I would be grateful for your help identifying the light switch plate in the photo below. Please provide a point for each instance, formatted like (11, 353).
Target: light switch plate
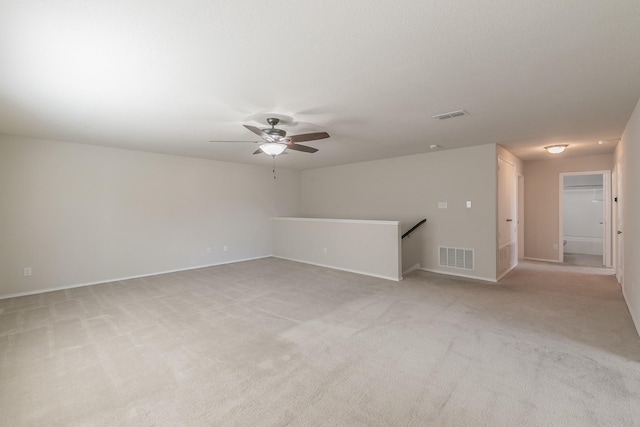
(442, 205)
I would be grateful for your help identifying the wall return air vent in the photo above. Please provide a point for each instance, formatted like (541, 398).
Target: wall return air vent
(456, 258)
(450, 115)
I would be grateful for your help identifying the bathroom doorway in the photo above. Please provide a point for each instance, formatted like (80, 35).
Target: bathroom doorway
(585, 219)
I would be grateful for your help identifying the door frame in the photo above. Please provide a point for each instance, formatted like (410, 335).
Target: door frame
(618, 246)
(607, 228)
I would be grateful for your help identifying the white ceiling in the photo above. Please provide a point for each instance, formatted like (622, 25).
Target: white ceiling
(169, 76)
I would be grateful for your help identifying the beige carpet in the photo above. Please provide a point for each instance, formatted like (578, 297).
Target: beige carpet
(273, 342)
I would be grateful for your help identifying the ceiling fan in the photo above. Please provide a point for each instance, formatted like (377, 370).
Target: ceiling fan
(277, 141)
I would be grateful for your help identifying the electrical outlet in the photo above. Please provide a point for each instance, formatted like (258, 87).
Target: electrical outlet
(324, 251)
(209, 250)
(27, 271)
(468, 204)
(555, 246)
(225, 248)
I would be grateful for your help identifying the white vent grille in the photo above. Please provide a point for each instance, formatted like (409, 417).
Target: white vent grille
(456, 258)
(450, 115)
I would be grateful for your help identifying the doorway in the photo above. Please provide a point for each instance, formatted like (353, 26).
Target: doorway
(585, 226)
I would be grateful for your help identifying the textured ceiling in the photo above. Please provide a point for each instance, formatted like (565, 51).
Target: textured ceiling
(168, 76)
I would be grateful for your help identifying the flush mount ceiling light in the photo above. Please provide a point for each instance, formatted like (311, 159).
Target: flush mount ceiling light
(556, 149)
(273, 148)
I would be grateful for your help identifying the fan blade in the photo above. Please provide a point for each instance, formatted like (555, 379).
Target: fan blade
(259, 132)
(304, 148)
(308, 137)
(258, 151)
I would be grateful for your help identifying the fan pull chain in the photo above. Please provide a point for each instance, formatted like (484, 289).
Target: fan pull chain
(274, 167)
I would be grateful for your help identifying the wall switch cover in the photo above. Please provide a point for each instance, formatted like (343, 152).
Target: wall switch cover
(442, 205)
(468, 203)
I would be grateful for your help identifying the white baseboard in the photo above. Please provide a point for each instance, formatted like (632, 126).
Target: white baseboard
(541, 259)
(79, 285)
(635, 317)
(395, 279)
(412, 268)
(500, 276)
(467, 276)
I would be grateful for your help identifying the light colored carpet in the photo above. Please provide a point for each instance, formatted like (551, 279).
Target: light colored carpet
(273, 342)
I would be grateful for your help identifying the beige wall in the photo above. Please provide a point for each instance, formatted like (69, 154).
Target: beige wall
(408, 189)
(542, 200)
(82, 214)
(628, 158)
(365, 247)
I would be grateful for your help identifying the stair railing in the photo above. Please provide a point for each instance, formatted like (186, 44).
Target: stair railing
(414, 228)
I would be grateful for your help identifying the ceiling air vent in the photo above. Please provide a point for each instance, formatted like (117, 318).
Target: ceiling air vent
(450, 115)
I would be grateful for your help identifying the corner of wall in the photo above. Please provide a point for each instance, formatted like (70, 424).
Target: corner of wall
(627, 157)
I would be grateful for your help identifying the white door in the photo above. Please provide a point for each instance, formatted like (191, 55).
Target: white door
(507, 216)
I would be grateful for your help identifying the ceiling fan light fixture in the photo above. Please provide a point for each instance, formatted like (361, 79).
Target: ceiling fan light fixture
(273, 148)
(556, 149)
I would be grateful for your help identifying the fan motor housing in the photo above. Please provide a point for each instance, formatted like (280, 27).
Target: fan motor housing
(275, 132)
